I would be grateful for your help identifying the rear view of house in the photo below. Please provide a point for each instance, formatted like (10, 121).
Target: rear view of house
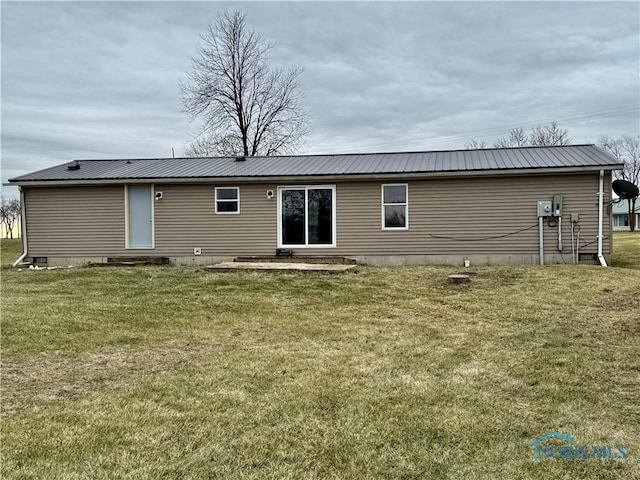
(490, 206)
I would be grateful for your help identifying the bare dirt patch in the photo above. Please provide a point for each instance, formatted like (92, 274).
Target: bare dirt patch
(32, 384)
(618, 301)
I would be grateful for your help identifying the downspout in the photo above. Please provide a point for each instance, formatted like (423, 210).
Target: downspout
(601, 259)
(23, 225)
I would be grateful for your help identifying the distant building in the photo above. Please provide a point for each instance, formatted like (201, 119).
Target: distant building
(620, 215)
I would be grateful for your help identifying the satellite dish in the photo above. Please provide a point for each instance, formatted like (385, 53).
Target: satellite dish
(625, 190)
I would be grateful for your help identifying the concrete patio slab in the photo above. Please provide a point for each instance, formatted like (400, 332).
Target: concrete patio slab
(319, 267)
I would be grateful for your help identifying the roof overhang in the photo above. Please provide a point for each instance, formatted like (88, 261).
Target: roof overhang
(320, 178)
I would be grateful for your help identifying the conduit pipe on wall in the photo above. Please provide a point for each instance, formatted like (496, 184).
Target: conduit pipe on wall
(601, 259)
(573, 244)
(560, 234)
(541, 238)
(23, 224)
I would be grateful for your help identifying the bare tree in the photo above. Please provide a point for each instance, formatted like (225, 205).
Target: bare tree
(475, 144)
(247, 107)
(516, 138)
(541, 135)
(549, 134)
(626, 149)
(9, 214)
(208, 145)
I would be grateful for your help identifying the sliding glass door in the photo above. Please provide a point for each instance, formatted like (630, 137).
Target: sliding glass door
(293, 218)
(306, 216)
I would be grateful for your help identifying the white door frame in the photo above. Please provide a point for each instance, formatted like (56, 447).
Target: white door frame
(306, 188)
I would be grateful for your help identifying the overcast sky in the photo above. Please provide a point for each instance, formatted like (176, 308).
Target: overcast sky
(100, 79)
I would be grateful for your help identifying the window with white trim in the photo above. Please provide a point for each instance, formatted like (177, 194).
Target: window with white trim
(621, 220)
(395, 206)
(227, 200)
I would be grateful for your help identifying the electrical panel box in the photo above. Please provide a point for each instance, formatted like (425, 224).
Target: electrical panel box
(575, 218)
(544, 208)
(557, 206)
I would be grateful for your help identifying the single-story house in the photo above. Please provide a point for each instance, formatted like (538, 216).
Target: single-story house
(438, 207)
(620, 213)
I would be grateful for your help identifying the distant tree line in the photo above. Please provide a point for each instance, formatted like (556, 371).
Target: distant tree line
(9, 214)
(538, 136)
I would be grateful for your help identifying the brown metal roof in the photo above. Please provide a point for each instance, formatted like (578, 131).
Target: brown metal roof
(410, 163)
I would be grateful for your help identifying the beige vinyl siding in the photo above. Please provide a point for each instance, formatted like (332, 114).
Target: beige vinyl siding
(469, 208)
(83, 221)
(185, 218)
(90, 221)
(74, 220)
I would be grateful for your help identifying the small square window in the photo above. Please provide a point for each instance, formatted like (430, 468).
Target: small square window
(395, 211)
(227, 200)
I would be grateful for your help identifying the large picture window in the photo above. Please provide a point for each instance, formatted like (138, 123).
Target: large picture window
(306, 216)
(395, 206)
(227, 200)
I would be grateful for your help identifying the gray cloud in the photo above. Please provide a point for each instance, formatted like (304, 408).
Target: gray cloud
(100, 80)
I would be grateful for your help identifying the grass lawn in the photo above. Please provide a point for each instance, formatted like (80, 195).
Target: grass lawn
(626, 250)
(182, 373)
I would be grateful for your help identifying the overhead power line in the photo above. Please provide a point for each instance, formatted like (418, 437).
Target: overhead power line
(424, 141)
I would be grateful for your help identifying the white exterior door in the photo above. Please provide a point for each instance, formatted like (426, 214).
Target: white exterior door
(140, 216)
